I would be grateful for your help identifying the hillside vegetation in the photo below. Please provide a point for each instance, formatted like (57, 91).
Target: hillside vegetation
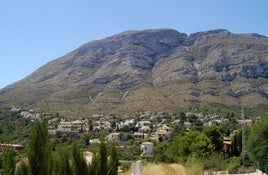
(155, 70)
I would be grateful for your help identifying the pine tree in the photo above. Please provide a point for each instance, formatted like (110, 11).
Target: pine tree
(39, 149)
(9, 163)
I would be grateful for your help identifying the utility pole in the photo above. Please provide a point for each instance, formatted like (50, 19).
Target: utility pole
(243, 137)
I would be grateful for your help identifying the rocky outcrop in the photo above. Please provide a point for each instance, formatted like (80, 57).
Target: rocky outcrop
(212, 62)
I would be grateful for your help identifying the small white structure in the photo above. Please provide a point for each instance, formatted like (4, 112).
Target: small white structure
(128, 122)
(65, 127)
(145, 129)
(244, 122)
(112, 136)
(94, 141)
(139, 135)
(105, 124)
(72, 126)
(162, 133)
(147, 149)
(136, 168)
(143, 123)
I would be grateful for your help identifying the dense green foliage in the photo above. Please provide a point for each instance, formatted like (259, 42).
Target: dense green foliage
(202, 147)
(214, 134)
(103, 159)
(60, 160)
(193, 144)
(23, 169)
(113, 162)
(13, 127)
(257, 144)
(79, 163)
(8, 162)
(39, 149)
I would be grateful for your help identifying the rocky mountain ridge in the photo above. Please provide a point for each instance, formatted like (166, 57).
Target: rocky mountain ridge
(160, 69)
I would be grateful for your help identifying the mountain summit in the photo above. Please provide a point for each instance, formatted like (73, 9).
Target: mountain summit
(156, 70)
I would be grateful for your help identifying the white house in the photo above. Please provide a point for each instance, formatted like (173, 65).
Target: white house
(147, 149)
(145, 129)
(143, 123)
(139, 135)
(112, 136)
(65, 126)
(72, 126)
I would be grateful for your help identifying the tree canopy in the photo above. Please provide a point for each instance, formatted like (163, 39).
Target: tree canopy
(193, 144)
(39, 150)
(257, 144)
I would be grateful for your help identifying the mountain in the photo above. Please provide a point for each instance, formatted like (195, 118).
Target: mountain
(155, 70)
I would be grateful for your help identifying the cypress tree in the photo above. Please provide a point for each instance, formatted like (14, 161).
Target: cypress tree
(103, 159)
(95, 164)
(113, 162)
(79, 163)
(9, 163)
(62, 163)
(39, 149)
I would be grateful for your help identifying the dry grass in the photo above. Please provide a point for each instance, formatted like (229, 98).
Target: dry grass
(160, 169)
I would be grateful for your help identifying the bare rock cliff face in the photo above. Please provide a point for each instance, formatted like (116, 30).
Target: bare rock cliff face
(206, 67)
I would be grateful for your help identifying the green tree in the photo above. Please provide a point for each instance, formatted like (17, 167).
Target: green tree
(237, 143)
(113, 162)
(9, 163)
(232, 164)
(39, 149)
(95, 164)
(158, 151)
(90, 125)
(197, 125)
(23, 169)
(62, 163)
(103, 159)
(257, 144)
(214, 134)
(79, 163)
(192, 118)
(85, 138)
(193, 144)
(113, 124)
(182, 116)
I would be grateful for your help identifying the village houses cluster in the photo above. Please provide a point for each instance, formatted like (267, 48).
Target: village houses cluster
(144, 126)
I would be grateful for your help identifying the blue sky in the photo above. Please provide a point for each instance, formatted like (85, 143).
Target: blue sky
(33, 32)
